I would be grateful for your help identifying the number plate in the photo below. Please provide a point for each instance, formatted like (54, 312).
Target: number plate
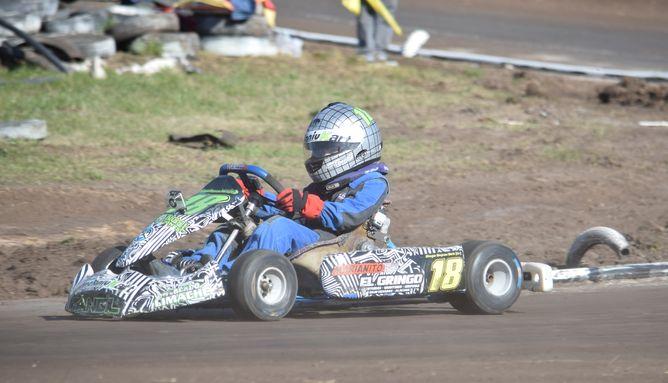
(393, 272)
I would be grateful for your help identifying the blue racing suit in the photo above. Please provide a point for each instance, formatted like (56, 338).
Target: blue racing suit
(350, 200)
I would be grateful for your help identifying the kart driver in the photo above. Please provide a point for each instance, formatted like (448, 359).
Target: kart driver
(343, 147)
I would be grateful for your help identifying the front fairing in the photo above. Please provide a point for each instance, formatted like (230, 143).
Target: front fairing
(210, 204)
(129, 293)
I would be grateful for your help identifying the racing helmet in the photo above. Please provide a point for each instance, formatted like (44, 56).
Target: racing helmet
(340, 138)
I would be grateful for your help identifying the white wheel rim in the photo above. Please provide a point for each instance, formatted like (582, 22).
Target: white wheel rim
(271, 286)
(497, 278)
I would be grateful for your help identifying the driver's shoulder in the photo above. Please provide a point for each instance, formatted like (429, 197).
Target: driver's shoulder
(370, 178)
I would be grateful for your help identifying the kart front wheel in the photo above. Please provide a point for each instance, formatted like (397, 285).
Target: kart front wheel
(263, 285)
(107, 259)
(493, 279)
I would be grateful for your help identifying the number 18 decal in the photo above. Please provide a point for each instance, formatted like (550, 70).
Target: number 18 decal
(446, 273)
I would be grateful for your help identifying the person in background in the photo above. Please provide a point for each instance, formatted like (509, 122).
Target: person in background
(373, 31)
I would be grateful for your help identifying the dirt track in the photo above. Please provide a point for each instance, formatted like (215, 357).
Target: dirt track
(591, 333)
(529, 171)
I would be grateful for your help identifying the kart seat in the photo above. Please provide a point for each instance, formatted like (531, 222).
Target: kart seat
(367, 236)
(310, 257)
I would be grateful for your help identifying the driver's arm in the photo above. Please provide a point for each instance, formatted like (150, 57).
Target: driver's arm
(355, 209)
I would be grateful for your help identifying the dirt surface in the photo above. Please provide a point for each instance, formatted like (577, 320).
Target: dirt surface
(532, 170)
(635, 92)
(589, 333)
(607, 33)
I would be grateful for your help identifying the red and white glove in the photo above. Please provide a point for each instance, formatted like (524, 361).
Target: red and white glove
(245, 189)
(292, 200)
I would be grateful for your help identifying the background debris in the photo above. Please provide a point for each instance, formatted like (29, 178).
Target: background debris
(28, 129)
(150, 67)
(169, 44)
(39, 8)
(654, 124)
(136, 26)
(83, 23)
(28, 23)
(206, 140)
(238, 46)
(91, 45)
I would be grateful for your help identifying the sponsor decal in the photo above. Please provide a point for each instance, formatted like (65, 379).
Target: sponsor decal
(228, 191)
(205, 199)
(361, 113)
(112, 284)
(236, 166)
(399, 280)
(453, 253)
(108, 305)
(325, 136)
(333, 186)
(359, 268)
(176, 223)
(403, 272)
(184, 294)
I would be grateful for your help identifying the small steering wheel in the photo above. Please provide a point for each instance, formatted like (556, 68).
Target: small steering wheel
(244, 171)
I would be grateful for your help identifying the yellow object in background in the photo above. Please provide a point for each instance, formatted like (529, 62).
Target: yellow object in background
(225, 4)
(355, 6)
(380, 8)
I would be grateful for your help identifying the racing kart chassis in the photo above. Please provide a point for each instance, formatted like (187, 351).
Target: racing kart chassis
(475, 277)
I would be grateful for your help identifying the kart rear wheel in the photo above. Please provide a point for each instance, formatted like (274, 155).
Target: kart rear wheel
(263, 285)
(107, 259)
(493, 279)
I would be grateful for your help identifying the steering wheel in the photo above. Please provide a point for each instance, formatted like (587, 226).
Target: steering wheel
(243, 171)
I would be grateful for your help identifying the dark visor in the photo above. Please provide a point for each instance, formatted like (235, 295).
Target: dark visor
(321, 149)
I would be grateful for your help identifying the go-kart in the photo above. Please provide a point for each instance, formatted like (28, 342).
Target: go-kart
(475, 277)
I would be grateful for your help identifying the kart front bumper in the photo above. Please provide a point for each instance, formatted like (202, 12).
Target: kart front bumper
(129, 293)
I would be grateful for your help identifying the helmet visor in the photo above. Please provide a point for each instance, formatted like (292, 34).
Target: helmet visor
(322, 149)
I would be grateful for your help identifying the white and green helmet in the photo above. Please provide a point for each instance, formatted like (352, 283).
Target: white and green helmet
(340, 138)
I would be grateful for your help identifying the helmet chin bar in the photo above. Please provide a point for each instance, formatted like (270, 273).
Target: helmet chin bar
(334, 166)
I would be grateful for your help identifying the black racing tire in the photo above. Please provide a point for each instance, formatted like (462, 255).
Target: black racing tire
(263, 286)
(493, 278)
(106, 260)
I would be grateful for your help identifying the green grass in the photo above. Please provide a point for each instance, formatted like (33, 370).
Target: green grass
(562, 153)
(116, 129)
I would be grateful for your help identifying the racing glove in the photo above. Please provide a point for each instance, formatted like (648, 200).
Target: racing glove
(292, 200)
(245, 189)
